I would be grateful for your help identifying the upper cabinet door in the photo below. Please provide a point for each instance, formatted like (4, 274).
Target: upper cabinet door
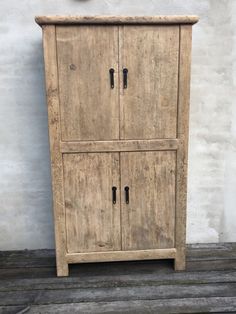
(149, 102)
(89, 105)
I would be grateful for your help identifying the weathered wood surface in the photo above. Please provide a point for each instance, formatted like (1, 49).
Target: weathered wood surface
(111, 294)
(148, 221)
(51, 80)
(128, 255)
(109, 19)
(220, 252)
(166, 306)
(153, 106)
(118, 146)
(29, 284)
(182, 134)
(92, 220)
(89, 106)
(149, 103)
(119, 280)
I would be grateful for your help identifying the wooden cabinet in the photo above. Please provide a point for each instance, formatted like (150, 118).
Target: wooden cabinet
(118, 102)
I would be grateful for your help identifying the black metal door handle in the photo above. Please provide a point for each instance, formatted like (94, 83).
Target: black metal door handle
(114, 188)
(111, 71)
(125, 77)
(127, 195)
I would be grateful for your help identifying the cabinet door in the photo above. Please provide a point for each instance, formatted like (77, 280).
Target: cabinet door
(149, 103)
(92, 220)
(89, 106)
(148, 220)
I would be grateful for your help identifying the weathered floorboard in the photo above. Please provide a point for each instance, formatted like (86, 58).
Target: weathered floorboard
(29, 284)
(46, 258)
(183, 305)
(117, 294)
(122, 280)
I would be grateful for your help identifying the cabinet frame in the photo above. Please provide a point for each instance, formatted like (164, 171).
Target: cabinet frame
(57, 147)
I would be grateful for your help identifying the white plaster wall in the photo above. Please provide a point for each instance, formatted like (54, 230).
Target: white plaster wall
(25, 192)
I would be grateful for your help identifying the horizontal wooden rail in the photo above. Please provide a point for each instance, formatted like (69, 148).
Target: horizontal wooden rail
(110, 256)
(116, 146)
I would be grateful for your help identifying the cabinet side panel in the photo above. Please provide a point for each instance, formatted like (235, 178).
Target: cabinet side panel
(49, 45)
(182, 153)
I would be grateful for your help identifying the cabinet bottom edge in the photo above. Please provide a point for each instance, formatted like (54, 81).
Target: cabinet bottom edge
(112, 256)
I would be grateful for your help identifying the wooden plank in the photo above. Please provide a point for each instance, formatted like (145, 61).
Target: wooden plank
(140, 277)
(29, 272)
(148, 221)
(27, 258)
(89, 106)
(132, 267)
(109, 19)
(51, 77)
(118, 146)
(211, 251)
(202, 265)
(92, 220)
(46, 257)
(120, 255)
(113, 294)
(18, 309)
(166, 306)
(149, 103)
(182, 153)
(212, 246)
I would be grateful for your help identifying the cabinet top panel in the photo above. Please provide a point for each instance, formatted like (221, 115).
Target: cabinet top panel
(109, 19)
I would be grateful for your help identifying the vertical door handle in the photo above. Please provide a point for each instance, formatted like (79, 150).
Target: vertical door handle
(127, 195)
(111, 71)
(114, 188)
(125, 78)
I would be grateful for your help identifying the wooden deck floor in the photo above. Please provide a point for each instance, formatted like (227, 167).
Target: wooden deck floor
(29, 285)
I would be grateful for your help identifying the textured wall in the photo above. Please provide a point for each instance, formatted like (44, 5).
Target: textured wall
(25, 193)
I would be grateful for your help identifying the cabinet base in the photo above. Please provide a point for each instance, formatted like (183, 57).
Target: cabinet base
(112, 256)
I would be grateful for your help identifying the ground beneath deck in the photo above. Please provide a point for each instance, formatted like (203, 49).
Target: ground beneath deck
(29, 285)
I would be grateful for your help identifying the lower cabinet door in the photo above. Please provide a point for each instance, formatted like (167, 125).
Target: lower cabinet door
(148, 199)
(92, 212)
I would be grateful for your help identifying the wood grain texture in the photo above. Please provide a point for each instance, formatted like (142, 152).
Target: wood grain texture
(150, 292)
(109, 19)
(51, 77)
(182, 153)
(121, 256)
(166, 306)
(149, 104)
(92, 220)
(35, 264)
(118, 146)
(89, 106)
(181, 305)
(148, 220)
(138, 276)
(207, 252)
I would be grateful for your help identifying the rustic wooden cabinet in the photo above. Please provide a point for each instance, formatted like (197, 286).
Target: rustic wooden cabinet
(118, 102)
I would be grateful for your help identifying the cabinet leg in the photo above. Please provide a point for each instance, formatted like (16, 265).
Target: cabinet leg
(180, 262)
(62, 270)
